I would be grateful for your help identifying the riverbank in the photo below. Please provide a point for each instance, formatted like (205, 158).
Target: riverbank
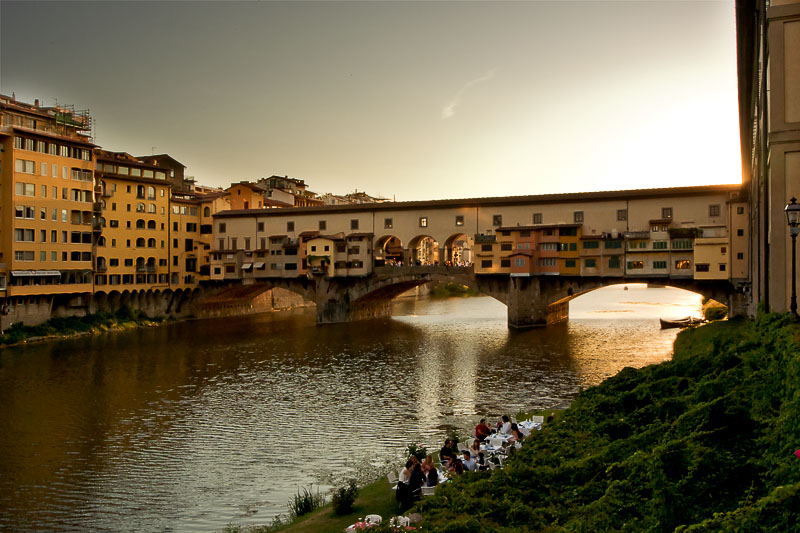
(703, 442)
(73, 326)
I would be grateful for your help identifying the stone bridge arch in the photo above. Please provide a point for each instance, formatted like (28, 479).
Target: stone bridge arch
(388, 250)
(457, 249)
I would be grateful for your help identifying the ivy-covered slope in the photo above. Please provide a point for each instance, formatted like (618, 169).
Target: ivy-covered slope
(704, 442)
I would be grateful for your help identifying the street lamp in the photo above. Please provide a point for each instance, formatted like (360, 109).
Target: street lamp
(793, 219)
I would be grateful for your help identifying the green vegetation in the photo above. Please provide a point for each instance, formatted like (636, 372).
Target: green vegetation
(304, 502)
(714, 310)
(343, 498)
(703, 442)
(452, 289)
(123, 318)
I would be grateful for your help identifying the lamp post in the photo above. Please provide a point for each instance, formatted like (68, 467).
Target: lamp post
(793, 219)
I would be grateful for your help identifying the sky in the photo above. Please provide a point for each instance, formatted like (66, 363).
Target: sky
(407, 100)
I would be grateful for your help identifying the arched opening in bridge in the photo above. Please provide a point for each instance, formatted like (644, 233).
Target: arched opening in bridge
(457, 250)
(634, 301)
(423, 250)
(388, 251)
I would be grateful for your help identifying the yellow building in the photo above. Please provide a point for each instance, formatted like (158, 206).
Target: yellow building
(133, 249)
(186, 249)
(47, 211)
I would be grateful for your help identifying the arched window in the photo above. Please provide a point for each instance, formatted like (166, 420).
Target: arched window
(140, 224)
(101, 263)
(151, 224)
(140, 242)
(151, 243)
(206, 211)
(101, 241)
(140, 263)
(140, 207)
(140, 191)
(151, 208)
(102, 222)
(151, 193)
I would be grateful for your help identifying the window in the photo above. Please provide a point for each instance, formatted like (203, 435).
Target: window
(740, 210)
(25, 166)
(22, 211)
(387, 223)
(682, 244)
(635, 265)
(613, 244)
(206, 211)
(506, 246)
(740, 255)
(20, 255)
(722, 267)
(459, 220)
(24, 189)
(43, 169)
(573, 246)
(290, 225)
(505, 263)
(322, 225)
(622, 214)
(590, 263)
(659, 264)
(537, 218)
(23, 235)
(486, 263)
(660, 245)
(701, 267)
(577, 217)
(591, 244)
(713, 210)
(666, 212)
(246, 244)
(191, 227)
(354, 224)
(423, 222)
(221, 228)
(569, 263)
(740, 233)
(613, 262)
(497, 220)
(486, 247)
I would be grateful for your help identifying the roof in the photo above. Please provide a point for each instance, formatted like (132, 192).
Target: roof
(248, 184)
(675, 192)
(276, 203)
(161, 157)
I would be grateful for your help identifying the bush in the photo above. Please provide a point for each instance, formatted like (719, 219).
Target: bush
(343, 498)
(305, 502)
(417, 450)
(715, 312)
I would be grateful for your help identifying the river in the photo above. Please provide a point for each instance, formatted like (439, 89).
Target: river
(198, 424)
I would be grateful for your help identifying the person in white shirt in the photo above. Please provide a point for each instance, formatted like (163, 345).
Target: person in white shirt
(468, 462)
(506, 428)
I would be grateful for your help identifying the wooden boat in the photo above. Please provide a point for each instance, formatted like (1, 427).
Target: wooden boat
(680, 322)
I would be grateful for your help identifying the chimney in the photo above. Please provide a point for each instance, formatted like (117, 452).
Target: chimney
(36, 103)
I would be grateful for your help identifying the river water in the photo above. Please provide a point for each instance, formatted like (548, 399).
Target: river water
(198, 424)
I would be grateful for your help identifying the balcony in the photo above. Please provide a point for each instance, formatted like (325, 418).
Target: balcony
(481, 238)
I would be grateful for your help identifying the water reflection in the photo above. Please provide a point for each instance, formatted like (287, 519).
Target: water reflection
(195, 425)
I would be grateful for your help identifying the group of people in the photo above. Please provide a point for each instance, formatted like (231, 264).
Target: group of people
(418, 474)
(504, 426)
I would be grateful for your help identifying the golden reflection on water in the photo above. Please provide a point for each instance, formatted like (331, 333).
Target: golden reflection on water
(194, 425)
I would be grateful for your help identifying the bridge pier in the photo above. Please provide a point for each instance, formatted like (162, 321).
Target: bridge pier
(337, 310)
(527, 305)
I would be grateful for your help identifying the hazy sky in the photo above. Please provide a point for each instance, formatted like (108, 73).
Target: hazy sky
(422, 100)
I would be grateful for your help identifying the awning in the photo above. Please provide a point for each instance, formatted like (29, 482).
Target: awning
(31, 273)
(260, 266)
(247, 266)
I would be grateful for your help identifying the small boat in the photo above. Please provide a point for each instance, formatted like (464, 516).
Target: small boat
(680, 322)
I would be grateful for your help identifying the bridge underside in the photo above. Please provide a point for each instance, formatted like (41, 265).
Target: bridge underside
(531, 301)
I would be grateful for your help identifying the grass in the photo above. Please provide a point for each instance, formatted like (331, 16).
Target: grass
(100, 322)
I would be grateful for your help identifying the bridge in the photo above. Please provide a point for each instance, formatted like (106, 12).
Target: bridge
(532, 253)
(531, 301)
